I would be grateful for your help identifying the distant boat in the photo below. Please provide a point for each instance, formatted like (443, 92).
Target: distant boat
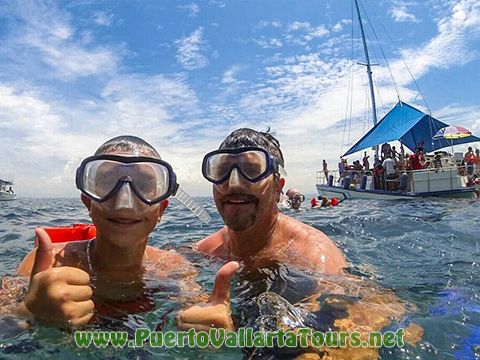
(6, 190)
(413, 129)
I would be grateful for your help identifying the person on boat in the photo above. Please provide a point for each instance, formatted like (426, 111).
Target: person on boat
(477, 161)
(378, 176)
(125, 187)
(341, 169)
(394, 154)
(390, 173)
(469, 159)
(325, 169)
(246, 173)
(386, 151)
(417, 159)
(365, 162)
(295, 198)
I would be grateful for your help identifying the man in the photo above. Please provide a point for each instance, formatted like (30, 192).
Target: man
(247, 182)
(295, 198)
(341, 169)
(386, 150)
(365, 162)
(477, 162)
(246, 178)
(325, 169)
(469, 159)
(417, 159)
(390, 173)
(125, 187)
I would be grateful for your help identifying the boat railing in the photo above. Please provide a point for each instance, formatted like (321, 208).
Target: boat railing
(418, 181)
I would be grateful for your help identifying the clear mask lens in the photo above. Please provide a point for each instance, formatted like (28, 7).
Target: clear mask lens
(252, 164)
(100, 177)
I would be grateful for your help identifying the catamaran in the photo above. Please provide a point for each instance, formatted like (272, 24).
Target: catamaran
(446, 177)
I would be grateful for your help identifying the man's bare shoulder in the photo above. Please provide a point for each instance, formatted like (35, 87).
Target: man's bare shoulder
(213, 243)
(312, 245)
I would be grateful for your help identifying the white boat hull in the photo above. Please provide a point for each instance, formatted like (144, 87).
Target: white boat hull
(7, 196)
(342, 194)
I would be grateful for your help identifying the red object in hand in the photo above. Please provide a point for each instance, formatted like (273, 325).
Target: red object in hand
(71, 233)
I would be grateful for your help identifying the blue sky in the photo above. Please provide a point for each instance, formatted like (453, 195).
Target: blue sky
(183, 75)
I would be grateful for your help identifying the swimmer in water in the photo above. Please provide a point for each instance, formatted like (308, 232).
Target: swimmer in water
(295, 198)
(246, 173)
(125, 187)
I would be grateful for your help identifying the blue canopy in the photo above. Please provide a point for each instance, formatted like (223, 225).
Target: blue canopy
(411, 127)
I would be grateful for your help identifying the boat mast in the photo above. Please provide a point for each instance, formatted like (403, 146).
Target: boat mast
(369, 72)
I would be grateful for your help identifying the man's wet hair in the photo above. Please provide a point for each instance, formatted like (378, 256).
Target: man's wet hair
(127, 143)
(248, 137)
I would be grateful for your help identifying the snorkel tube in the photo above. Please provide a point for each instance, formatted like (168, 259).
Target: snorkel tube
(192, 205)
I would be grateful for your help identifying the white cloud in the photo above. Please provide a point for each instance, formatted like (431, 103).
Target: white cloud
(297, 25)
(449, 48)
(339, 25)
(229, 76)
(103, 18)
(264, 24)
(268, 43)
(192, 9)
(53, 136)
(46, 36)
(189, 51)
(399, 12)
(301, 33)
(217, 3)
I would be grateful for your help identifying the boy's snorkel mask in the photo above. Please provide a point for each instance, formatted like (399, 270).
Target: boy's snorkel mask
(101, 177)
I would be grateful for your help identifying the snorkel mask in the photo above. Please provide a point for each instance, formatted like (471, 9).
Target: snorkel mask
(101, 177)
(254, 163)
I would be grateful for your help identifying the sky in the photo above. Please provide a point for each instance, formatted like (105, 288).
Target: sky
(183, 75)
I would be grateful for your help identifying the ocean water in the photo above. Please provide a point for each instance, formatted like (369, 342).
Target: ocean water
(426, 251)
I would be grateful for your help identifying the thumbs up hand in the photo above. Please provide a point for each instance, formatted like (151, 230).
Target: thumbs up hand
(59, 295)
(216, 313)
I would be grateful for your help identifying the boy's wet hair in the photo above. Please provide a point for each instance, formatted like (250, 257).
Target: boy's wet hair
(247, 137)
(128, 143)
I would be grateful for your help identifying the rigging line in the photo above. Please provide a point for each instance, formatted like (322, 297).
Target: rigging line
(397, 90)
(367, 104)
(348, 105)
(365, 111)
(404, 63)
(350, 108)
(352, 78)
(379, 96)
(345, 119)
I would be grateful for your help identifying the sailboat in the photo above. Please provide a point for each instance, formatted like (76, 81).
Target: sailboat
(415, 130)
(6, 190)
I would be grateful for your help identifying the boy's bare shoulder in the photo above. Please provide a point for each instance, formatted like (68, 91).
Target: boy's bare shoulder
(59, 251)
(168, 261)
